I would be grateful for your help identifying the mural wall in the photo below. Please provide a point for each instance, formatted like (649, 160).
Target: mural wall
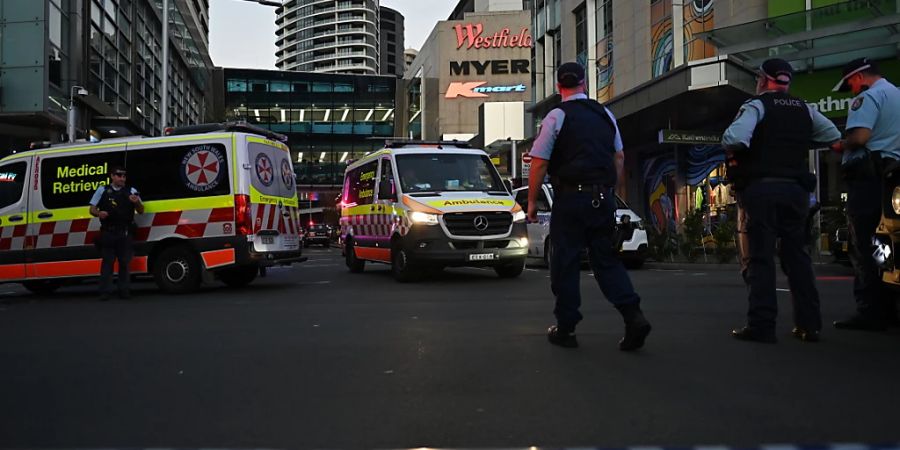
(698, 17)
(682, 180)
(661, 39)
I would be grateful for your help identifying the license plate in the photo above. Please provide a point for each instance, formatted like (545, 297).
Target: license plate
(481, 257)
(844, 246)
(268, 240)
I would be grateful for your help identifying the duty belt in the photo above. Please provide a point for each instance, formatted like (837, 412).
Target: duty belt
(599, 191)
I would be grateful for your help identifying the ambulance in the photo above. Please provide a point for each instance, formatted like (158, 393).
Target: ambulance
(422, 206)
(220, 202)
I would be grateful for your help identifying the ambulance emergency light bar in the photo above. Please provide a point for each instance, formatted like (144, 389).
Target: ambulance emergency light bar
(240, 127)
(400, 143)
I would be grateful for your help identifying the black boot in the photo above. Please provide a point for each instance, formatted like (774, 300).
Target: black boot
(562, 338)
(636, 327)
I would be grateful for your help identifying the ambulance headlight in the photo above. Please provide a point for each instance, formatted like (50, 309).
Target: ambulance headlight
(519, 216)
(423, 218)
(895, 200)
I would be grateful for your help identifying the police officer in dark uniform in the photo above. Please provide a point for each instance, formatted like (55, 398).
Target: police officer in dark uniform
(872, 143)
(115, 205)
(767, 145)
(580, 147)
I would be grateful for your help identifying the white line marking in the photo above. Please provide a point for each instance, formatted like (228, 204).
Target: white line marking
(782, 290)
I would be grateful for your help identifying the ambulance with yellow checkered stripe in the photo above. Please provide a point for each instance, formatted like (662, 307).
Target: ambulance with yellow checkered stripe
(422, 206)
(219, 199)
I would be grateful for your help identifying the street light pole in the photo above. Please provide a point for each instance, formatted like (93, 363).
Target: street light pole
(72, 114)
(165, 67)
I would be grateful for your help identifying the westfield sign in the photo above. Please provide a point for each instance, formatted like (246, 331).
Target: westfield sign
(472, 36)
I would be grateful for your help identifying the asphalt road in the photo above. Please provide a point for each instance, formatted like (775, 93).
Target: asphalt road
(314, 356)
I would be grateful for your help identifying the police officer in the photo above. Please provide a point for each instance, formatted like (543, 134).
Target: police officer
(580, 147)
(767, 145)
(115, 205)
(872, 142)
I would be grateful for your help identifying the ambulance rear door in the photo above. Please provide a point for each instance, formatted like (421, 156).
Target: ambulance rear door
(273, 196)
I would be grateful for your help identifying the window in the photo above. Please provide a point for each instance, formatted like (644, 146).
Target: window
(359, 186)
(448, 172)
(387, 176)
(196, 170)
(70, 181)
(12, 183)
(237, 86)
(543, 205)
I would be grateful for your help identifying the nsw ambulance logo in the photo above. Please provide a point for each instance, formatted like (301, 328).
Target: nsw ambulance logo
(265, 172)
(287, 177)
(201, 168)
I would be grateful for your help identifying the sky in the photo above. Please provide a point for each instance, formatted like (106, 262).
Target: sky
(242, 34)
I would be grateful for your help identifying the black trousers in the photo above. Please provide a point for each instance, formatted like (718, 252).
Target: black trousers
(769, 211)
(577, 225)
(115, 245)
(863, 216)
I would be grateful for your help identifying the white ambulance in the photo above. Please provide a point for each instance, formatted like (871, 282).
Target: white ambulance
(219, 199)
(424, 206)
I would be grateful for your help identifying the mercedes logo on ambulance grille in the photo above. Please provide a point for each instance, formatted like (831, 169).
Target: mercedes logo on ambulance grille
(480, 222)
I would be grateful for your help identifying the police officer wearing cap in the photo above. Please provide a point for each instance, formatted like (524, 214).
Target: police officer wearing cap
(115, 204)
(767, 146)
(872, 143)
(580, 147)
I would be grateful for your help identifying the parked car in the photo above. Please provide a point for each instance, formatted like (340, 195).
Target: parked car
(630, 238)
(318, 234)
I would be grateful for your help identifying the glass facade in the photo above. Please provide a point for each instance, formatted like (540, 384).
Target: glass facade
(329, 119)
(661, 38)
(125, 62)
(604, 24)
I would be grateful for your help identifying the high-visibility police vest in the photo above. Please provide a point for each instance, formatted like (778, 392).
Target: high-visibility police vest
(584, 151)
(780, 140)
(119, 207)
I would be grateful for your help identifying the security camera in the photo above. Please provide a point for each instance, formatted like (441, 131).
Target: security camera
(82, 91)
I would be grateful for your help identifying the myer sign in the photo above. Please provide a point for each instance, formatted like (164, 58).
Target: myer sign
(816, 87)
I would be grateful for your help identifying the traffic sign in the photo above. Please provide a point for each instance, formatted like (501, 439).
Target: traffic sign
(526, 165)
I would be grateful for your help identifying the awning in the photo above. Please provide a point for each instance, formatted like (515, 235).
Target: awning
(700, 96)
(827, 36)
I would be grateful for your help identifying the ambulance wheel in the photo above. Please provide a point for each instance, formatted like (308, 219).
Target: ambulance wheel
(402, 268)
(239, 276)
(42, 287)
(177, 270)
(355, 264)
(510, 270)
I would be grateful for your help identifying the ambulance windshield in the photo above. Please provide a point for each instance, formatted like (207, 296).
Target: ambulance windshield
(447, 172)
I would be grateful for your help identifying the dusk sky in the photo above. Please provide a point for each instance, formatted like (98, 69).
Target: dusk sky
(242, 34)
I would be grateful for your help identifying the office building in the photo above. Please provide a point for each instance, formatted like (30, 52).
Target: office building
(113, 50)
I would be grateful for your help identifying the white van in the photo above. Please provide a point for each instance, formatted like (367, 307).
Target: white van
(629, 227)
(219, 202)
(424, 206)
